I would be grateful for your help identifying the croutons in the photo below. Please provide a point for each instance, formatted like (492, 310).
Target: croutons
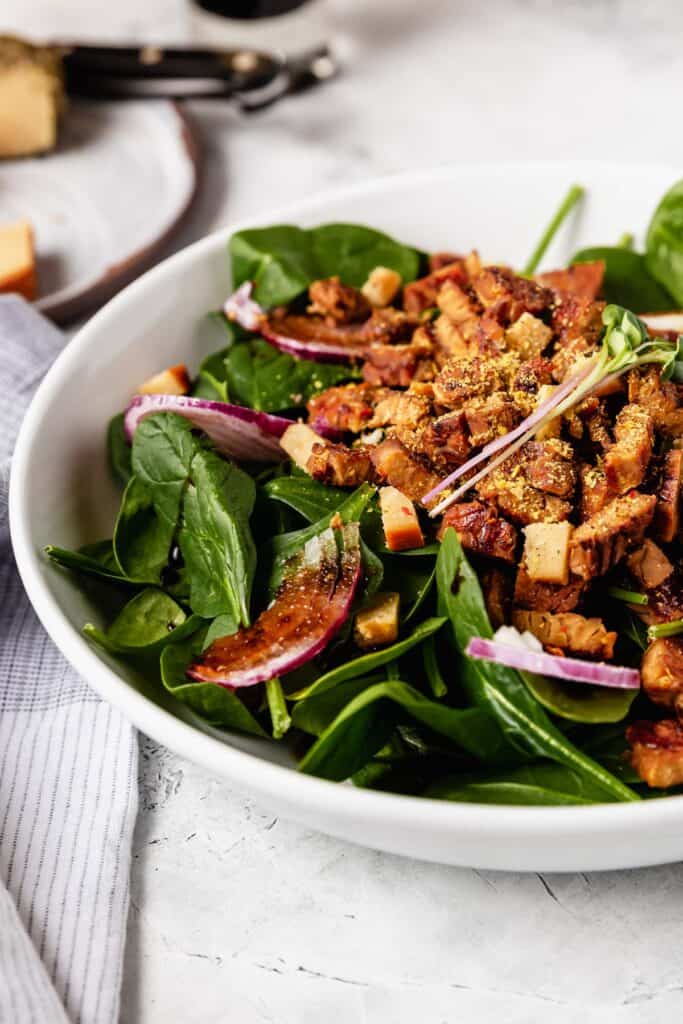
(377, 625)
(402, 528)
(173, 381)
(381, 286)
(298, 441)
(546, 551)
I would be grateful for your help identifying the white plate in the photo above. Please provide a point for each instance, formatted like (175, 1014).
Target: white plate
(61, 493)
(105, 202)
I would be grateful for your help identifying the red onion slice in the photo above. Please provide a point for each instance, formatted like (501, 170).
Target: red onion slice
(242, 309)
(572, 670)
(236, 431)
(310, 608)
(668, 325)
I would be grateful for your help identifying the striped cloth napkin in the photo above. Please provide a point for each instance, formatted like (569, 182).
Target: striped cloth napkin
(68, 766)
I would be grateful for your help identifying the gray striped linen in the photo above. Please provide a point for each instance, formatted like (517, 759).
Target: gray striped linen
(68, 768)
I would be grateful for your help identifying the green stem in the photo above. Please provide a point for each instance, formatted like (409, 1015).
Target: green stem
(665, 629)
(630, 596)
(570, 200)
(278, 708)
(626, 241)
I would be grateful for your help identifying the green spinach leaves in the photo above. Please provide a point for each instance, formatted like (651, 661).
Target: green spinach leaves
(664, 243)
(500, 690)
(215, 540)
(183, 491)
(262, 377)
(652, 281)
(283, 260)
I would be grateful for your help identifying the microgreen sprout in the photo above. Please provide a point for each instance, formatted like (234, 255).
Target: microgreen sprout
(665, 629)
(629, 596)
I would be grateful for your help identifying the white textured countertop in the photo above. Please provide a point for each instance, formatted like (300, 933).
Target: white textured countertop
(242, 918)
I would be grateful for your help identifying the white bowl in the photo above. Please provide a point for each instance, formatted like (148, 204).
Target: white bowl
(61, 493)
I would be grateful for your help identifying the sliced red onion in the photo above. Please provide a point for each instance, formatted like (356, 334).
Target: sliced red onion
(322, 427)
(236, 431)
(242, 309)
(572, 670)
(524, 427)
(310, 608)
(668, 324)
(316, 351)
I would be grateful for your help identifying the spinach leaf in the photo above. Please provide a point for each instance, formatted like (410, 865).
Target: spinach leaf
(145, 625)
(262, 377)
(277, 706)
(500, 690)
(424, 583)
(580, 703)
(163, 449)
(212, 379)
(373, 572)
(118, 450)
(283, 260)
(308, 497)
(630, 626)
(222, 625)
(366, 663)
(664, 244)
(430, 659)
(627, 281)
(533, 785)
(148, 519)
(215, 540)
(92, 560)
(413, 580)
(239, 375)
(142, 538)
(364, 725)
(607, 744)
(277, 259)
(314, 714)
(216, 704)
(352, 251)
(427, 551)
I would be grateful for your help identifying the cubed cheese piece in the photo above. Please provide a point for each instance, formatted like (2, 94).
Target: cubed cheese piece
(173, 381)
(401, 526)
(17, 259)
(381, 286)
(298, 441)
(554, 427)
(546, 551)
(377, 625)
(31, 97)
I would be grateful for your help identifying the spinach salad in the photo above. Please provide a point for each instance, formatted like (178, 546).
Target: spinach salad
(418, 516)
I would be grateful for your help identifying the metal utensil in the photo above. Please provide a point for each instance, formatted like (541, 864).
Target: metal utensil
(254, 79)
